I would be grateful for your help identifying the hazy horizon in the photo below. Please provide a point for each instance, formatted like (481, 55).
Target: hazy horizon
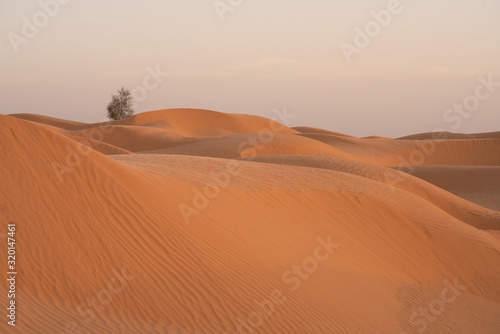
(428, 57)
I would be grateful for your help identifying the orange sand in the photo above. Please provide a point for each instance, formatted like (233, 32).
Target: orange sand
(200, 217)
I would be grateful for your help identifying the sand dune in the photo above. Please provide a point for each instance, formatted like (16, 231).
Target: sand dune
(377, 137)
(51, 121)
(195, 122)
(475, 152)
(189, 221)
(450, 135)
(251, 145)
(135, 138)
(479, 185)
(311, 130)
(465, 211)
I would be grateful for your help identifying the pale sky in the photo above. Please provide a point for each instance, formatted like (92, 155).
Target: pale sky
(265, 54)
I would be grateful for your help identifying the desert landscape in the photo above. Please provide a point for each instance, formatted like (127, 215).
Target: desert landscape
(196, 221)
(250, 167)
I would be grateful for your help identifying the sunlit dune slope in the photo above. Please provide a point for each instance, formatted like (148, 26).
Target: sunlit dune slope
(202, 123)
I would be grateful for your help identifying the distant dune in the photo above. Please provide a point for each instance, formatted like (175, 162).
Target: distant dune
(195, 221)
(451, 135)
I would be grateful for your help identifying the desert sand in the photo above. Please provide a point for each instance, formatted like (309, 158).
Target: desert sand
(195, 221)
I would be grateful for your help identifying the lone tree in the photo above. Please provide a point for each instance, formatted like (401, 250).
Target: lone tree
(120, 106)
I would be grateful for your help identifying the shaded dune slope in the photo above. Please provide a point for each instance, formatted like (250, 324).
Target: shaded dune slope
(477, 184)
(451, 135)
